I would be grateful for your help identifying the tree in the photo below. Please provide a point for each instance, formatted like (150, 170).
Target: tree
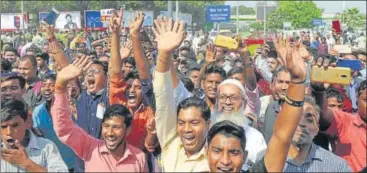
(257, 26)
(243, 10)
(352, 18)
(299, 13)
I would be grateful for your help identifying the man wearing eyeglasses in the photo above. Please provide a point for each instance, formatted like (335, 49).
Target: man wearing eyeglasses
(92, 102)
(230, 105)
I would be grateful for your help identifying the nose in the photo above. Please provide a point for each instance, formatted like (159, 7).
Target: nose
(284, 86)
(225, 160)
(187, 128)
(8, 131)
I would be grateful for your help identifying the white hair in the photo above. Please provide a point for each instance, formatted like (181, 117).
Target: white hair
(237, 117)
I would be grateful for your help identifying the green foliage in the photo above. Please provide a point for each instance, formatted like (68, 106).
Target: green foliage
(243, 10)
(299, 13)
(352, 18)
(257, 26)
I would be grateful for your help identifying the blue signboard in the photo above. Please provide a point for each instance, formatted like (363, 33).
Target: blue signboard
(92, 19)
(218, 13)
(317, 22)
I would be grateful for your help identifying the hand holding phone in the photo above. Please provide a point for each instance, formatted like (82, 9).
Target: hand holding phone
(51, 17)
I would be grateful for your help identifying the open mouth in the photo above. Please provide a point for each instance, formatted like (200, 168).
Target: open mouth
(91, 82)
(211, 91)
(188, 139)
(225, 169)
(111, 141)
(47, 94)
(228, 108)
(132, 98)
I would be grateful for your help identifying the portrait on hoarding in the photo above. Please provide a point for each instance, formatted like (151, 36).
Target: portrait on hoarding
(69, 22)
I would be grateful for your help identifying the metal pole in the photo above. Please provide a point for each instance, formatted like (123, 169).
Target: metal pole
(238, 22)
(343, 12)
(169, 8)
(264, 19)
(177, 10)
(21, 3)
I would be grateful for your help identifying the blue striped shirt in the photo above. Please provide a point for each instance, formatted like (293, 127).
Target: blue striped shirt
(318, 160)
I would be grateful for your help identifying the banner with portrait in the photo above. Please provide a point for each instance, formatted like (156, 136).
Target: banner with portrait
(67, 20)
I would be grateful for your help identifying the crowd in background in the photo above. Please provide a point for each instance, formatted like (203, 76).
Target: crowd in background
(160, 99)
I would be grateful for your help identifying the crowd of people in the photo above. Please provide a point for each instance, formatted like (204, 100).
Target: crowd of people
(160, 99)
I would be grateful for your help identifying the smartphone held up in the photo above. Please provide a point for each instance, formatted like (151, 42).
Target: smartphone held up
(51, 17)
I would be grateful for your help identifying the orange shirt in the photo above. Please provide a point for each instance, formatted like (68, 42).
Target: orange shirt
(351, 139)
(140, 117)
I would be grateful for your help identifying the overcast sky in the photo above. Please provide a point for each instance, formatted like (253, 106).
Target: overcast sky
(329, 6)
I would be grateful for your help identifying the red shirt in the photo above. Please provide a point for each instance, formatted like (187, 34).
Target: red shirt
(141, 116)
(351, 139)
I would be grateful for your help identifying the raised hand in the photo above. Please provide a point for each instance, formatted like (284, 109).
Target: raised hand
(136, 23)
(49, 30)
(169, 35)
(125, 50)
(324, 62)
(15, 156)
(116, 21)
(210, 54)
(281, 48)
(295, 64)
(75, 69)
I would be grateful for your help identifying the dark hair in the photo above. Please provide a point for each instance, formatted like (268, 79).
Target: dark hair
(132, 75)
(189, 85)
(118, 110)
(272, 54)
(192, 69)
(103, 64)
(68, 15)
(50, 76)
(10, 49)
(11, 76)
(362, 86)
(332, 92)
(31, 58)
(236, 70)
(276, 73)
(213, 68)
(44, 56)
(129, 60)
(98, 45)
(228, 129)
(13, 108)
(5, 65)
(197, 103)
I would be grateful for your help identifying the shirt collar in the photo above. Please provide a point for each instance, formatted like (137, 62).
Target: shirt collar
(314, 154)
(33, 143)
(358, 121)
(104, 150)
(196, 156)
(99, 93)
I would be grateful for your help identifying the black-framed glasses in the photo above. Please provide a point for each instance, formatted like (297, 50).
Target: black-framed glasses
(224, 98)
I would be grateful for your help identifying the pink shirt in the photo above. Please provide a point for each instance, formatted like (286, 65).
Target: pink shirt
(93, 151)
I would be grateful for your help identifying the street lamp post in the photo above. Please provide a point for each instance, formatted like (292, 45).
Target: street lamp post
(21, 3)
(238, 23)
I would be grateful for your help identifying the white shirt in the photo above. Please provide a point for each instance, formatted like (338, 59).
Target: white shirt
(255, 143)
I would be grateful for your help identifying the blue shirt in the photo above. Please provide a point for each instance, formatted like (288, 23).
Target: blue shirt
(319, 160)
(88, 119)
(42, 120)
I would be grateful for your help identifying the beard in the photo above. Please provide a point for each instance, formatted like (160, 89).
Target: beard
(237, 117)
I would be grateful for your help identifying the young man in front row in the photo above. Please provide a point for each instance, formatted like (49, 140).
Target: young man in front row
(226, 141)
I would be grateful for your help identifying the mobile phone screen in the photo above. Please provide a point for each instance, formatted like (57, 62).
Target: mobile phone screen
(51, 17)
